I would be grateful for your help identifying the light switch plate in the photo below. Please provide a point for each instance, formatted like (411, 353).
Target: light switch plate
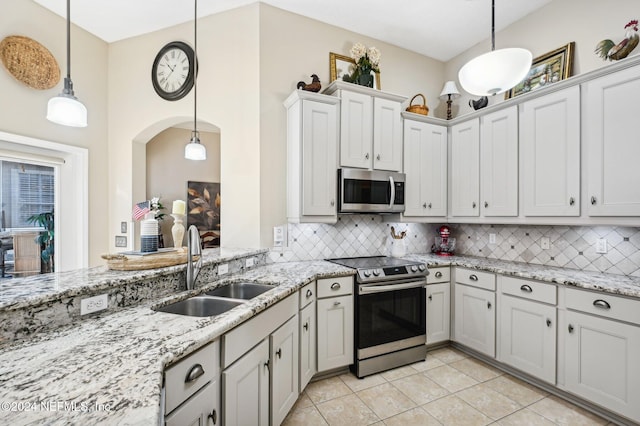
(544, 243)
(601, 245)
(492, 238)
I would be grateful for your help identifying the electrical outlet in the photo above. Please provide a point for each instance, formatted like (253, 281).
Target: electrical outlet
(544, 243)
(278, 236)
(223, 269)
(601, 245)
(492, 238)
(121, 240)
(250, 262)
(94, 304)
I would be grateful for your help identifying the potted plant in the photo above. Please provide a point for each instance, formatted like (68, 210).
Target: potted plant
(45, 239)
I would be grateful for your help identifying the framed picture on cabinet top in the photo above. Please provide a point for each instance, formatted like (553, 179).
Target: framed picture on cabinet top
(545, 70)
(341, 65)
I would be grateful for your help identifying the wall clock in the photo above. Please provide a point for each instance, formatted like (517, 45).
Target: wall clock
(173, 71)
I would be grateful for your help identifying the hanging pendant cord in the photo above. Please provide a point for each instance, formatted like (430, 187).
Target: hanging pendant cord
(195, 68)
(493, 25)
(68, 39)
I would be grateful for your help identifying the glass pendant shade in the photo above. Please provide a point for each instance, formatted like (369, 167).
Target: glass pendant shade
(495, 72)
(194, 150)
(66, 109)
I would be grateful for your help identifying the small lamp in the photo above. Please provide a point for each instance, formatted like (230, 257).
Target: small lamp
(449, 92)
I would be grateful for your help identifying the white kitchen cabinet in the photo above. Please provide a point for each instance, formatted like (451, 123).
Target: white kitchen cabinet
(283, 345)
(425, 167)
(198, 410)
(312, 143)
(601, 339)
(438, 312)
(499, 162)
(245, 387)
(527, 326)
(475, 310)
(611, 143)
(307, 332)
(335, 323)
(370, 127)
(550, 154)
(465, 168)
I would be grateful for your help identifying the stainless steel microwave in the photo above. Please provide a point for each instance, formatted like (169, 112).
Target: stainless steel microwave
(370, 191)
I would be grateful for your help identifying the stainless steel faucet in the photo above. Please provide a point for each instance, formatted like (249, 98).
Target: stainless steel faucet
(193, 248)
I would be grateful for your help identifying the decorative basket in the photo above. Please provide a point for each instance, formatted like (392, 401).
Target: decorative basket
(29, 62)
(418, 109)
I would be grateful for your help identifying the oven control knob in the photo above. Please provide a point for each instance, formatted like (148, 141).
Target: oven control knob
(422, 267)
(376, 272)
(367, 273)
(414, 268)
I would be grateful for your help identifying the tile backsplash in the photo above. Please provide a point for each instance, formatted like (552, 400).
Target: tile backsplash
(370, 235)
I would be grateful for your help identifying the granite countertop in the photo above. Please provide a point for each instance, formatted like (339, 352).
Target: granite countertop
(110, 368)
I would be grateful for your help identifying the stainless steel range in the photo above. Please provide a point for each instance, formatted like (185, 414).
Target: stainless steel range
(390, 312)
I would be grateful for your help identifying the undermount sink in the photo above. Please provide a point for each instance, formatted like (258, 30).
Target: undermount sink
(200, 306)
(242, 290)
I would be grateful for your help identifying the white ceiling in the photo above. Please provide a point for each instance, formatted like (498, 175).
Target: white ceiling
(440, 29)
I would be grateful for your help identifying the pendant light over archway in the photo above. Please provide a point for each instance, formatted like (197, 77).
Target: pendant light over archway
(194, 150)
(65, 108)
(496, 71)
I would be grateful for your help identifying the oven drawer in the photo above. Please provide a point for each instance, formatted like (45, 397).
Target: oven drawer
(332, 287)
(439, 275)
(475, 278)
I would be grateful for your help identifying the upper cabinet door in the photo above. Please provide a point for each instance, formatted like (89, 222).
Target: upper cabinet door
(550, 154)
(465, 168)
(611, 127)
(356, 130)
(425, 166)
(499, 162)
(387, 135)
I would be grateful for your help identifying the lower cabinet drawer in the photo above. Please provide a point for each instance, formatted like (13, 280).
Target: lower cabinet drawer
(532, 290)
(199, 410)
(439, 275)
(485, 280)
(332, 287)
(603, 304)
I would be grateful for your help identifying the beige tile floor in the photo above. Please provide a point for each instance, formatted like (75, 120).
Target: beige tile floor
(449, 388)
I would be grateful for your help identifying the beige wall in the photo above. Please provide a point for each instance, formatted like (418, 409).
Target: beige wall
(167, 174)
(585, 22)
(23, 109)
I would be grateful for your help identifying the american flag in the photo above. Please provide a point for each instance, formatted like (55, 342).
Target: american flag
(141, 209)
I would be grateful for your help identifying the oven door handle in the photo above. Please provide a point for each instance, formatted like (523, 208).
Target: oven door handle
(393, 192)
(370, 289)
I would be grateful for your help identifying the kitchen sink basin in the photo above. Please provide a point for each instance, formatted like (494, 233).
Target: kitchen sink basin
(242, 290)
(200, 306)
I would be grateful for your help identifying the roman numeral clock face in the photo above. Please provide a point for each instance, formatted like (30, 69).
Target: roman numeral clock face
(173, 71)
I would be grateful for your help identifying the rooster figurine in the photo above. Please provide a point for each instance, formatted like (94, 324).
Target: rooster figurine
(606, 49)
(314, 86)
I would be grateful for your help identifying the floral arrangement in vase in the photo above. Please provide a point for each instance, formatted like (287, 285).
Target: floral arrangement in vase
(367, 60)
(156, 206)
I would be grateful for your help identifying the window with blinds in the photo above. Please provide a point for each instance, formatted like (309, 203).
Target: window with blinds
(27, 190)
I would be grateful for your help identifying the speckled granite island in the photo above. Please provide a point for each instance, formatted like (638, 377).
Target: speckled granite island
(108, 368)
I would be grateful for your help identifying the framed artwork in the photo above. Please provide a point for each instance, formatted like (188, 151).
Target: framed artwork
(341, 65)
(545, 70)
(203, 211)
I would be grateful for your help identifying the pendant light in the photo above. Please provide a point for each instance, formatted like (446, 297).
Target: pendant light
(65, 108)
(496, 71)
(194, 150)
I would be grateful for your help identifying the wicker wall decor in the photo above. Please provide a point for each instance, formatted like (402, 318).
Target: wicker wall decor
(29, 62)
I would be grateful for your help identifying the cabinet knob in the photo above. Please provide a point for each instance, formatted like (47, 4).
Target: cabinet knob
(333, 203)
(424, 206)
(309, 293)
(430, 297)
(279, 353)
(593, 201)
(488, 305)
(429, 205)
(335, 286)
(570, 328)
(473, 277)
(438, 274)
(602, 304)
(306, 325)
(486, 204)
(572, 201)
(378, 157)
(195, 372)
(526, 288)
(336, 303)
(213, 416)
(366, 156)
(548, 322)
(473, 204)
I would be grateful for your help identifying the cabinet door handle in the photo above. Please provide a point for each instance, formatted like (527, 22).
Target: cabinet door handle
(309, 293)
(430, 297)
(572, 201)
(593, 201)
(570, 328)
(378, 157)
(602, 304)
(266, 364)
(333, 203)
(195, 372)
(473, 277)
(306, 325)
(429, 205)
(366, 156)
(486, 204)
(438, 274)
(279, 353)
(335, 286)
(213, 416)
(424, 206)
(336, 303)
(473, 204)
(488, 305)
(548, 322)
(526, 288)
